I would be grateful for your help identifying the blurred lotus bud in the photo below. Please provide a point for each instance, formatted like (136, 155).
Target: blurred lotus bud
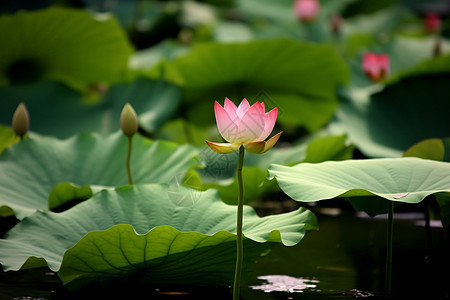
(128, 120)
(376, 66)
(336, 24)
(21, 120)
(307, 10)
(432, 23)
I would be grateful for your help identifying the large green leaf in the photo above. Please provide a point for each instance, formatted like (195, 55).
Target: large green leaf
(137, 232)
(299, 78)
(407, 180)
(57, 110)
(392, 120)
(69, 45)
(31, 169)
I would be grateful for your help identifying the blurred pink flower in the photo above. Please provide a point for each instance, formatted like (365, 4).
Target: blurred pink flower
(432, 23)
(307, 10)
(376, 66)
(244, 125)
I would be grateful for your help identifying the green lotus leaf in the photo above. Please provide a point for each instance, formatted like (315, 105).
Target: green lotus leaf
(7, 137)
(68, 45)
(66, 195)
(60, 111)
(434, 149)
(140, 232)
(407, 180)
(265, 70)
(31, 169)
(394, 119)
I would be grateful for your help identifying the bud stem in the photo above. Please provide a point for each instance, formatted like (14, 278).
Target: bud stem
(239, 243)
(130, 145)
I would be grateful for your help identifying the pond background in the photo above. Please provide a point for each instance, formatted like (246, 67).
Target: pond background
(345, 259)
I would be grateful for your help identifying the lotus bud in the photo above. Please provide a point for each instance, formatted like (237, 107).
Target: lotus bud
(21, 120)
(128, 120)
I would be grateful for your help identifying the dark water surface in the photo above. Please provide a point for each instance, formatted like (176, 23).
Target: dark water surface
(344, 260)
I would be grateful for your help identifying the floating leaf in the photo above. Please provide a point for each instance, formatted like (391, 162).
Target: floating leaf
(137, 232)
(72, 46)
(57, 110)
(266, 70)
(31, 169)
(407, 180)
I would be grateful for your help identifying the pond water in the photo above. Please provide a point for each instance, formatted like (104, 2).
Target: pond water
(344, 260)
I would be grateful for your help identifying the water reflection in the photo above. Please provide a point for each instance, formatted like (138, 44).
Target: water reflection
(284, 283)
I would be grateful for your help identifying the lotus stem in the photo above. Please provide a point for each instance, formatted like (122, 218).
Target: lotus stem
(130, 146)
(390, 231)
(239, 243)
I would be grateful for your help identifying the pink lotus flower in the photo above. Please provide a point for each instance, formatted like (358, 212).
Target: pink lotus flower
(376, 66)
(432, 23)
(244, 125)
(306, 10)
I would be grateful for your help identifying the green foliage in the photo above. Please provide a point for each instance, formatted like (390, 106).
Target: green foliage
(31, 169)
(141, 230)
(407, 180)
(300, 78)
(434, 149)
(57, 110)
(75, 69)
(392, 120)
(68, 45)
(7, 137)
